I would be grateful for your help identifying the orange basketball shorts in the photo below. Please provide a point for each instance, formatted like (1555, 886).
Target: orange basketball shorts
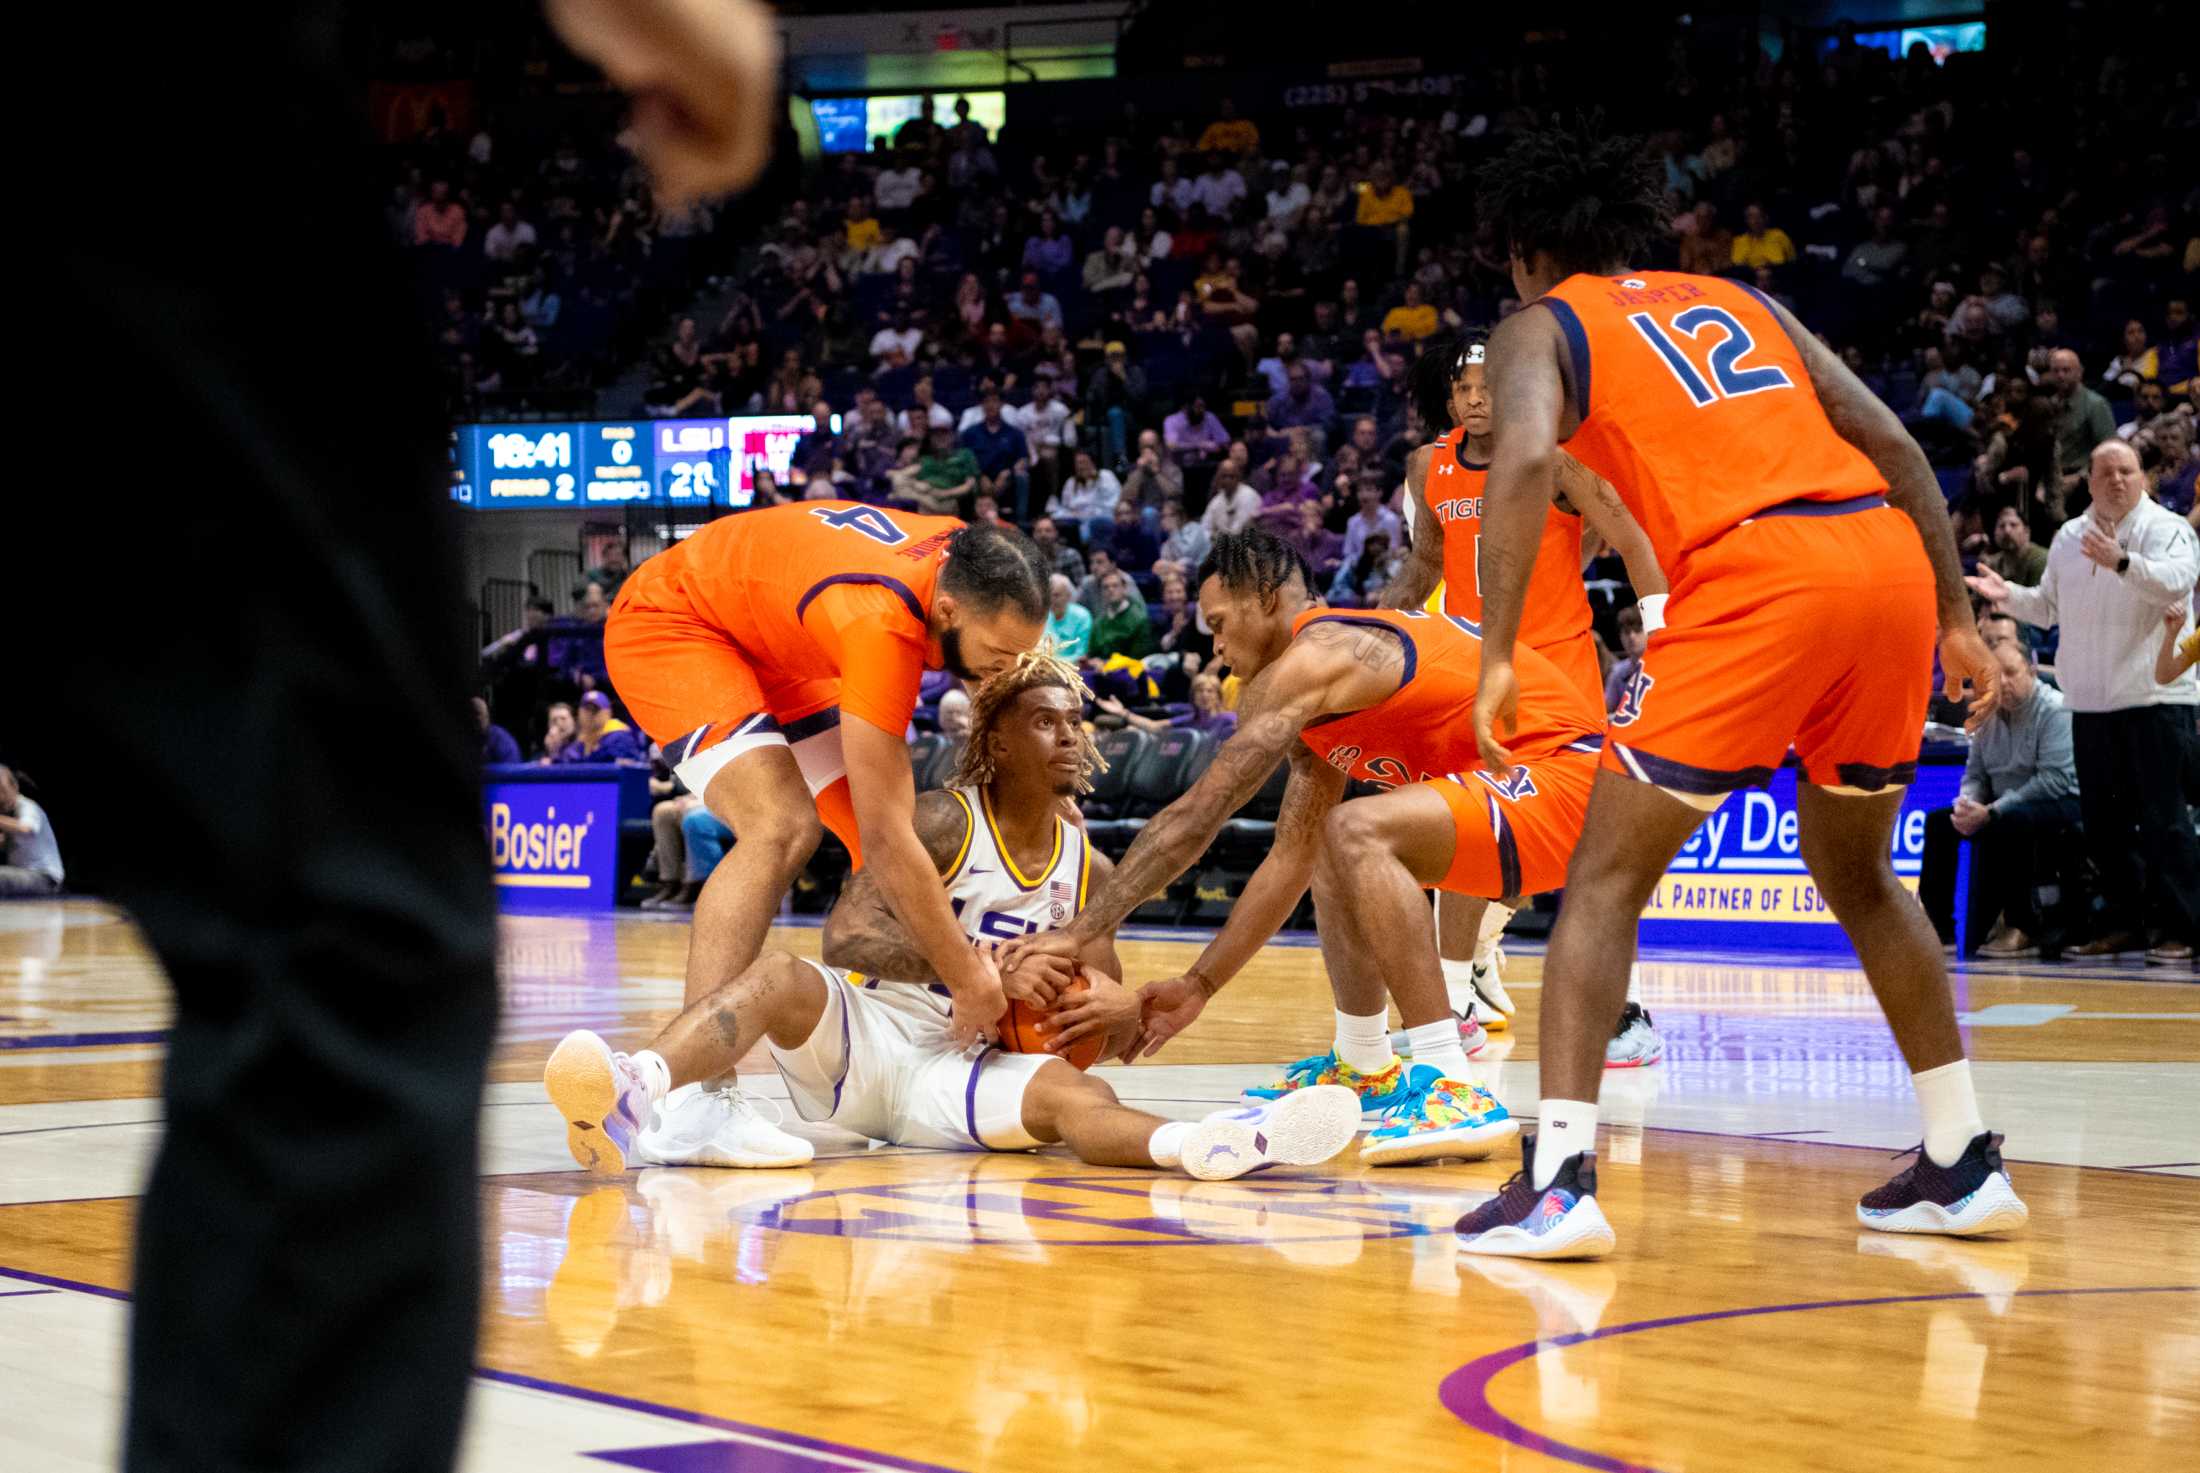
(704, 702)
(1576, 659)
(1811, 629)
(1516, 833)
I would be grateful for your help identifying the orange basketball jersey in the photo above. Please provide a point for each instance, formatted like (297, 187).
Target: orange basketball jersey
(1557, 609)
(1695, 405)
(1426, 730)
(814, 593)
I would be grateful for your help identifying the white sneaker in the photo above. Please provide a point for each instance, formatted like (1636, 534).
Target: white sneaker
(601, 1096)
(1489, 984)
(718, 1127)
(1637, 1044)
(1303, 1128)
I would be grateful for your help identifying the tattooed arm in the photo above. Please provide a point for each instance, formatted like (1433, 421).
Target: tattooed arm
(1599, 505)
(1328, 668)
(862, 935)
(1278, 884)
(1424, 565)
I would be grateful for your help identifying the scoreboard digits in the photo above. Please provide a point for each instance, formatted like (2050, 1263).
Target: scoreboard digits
(672, 462)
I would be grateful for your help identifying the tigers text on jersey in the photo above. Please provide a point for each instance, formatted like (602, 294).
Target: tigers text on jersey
(1696, 405)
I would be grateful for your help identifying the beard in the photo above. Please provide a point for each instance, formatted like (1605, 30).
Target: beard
(951, 655)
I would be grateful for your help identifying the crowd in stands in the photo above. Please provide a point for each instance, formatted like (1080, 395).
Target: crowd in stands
(1131, 339)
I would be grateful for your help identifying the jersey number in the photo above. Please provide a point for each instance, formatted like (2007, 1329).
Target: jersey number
(868, 520)
(1731, 346)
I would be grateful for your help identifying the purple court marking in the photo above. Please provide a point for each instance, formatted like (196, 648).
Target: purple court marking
(25, 1293)
(1465, 1392)
(770, 1450)
(1272, 1194)
(82, 1040)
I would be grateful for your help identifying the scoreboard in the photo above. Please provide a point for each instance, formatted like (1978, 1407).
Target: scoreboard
(609, 463)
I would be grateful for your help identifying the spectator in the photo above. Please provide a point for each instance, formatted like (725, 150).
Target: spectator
(538, 613)
(1047, 254)
(1112, 265)
(925, 412)
(676, 887)
(955, 714)
(1053, 556)
(1363, 576)
(1373, 519)
(1122, 627)
(1708, 250)
(1288, 199)
(440, 220)
(30, 856)
(1155, 478)
(2110, 573)
(706, 839)
(946, 475)
(1218, 188)
(610, 575)
(1322, 548)
(2173, 465)
(1231, 504)
(1193, 435)
(2139, 362)
(1229, 133)
(1382, 201)
(1088, 499)
(2018, 805)
(897, 186)
(1184, 544)
(2149, 402)
(1761, 242)
(590, 604)
(1128, 539)
(2082, 421)
(1069, 623)
(1412, 319)
(601, 736)
(897, 342)
(1632, 642)
(2180, 342)
(1302, 402)
(1876, 263)
(1048, 433)
(860, 231)
(559, 730)
(1034, 305)
(509, 236)
(2016, 557)
(1000, 450)
(496, 743)
(2004, 308)
(1206, 715)
(1093, 593)
(1115, 402)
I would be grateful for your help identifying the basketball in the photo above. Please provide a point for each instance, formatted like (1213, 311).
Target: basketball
(1026, 1030)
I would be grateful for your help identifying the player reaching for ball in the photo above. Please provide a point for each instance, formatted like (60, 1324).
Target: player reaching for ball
(1386, 696)
(877, 1056)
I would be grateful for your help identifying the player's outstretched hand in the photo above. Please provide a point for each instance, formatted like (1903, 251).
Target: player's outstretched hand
(1496, 713)
(1167, 1008)
(1964, 656)
(1989, 585)
(1105, 1007)
(704, 76)
(976, 1002)
(1050, 955)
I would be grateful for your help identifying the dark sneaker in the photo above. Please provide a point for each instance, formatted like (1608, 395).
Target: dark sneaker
(1961, 1201)
(1561, 1221)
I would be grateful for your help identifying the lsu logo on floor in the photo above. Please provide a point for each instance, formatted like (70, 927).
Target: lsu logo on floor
(991, 1202)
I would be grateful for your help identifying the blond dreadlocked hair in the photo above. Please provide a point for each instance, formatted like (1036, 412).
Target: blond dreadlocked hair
(1032, 670)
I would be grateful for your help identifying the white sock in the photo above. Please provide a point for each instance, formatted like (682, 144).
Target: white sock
(655, 1072)
(1563, 1128)
(1364, 1042)
(1458, 983)
(1493, 931)
(1950, 1107)
(1634, 985)
(1167, 1145)
(1438, 1043)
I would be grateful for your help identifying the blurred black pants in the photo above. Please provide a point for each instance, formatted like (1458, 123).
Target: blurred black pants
(2137, 826)
(241, 664)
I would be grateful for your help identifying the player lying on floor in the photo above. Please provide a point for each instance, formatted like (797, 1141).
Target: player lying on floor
(877, 1057)
(1386, 696)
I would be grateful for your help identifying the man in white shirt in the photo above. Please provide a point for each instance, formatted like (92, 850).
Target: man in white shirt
(1287, 203)
(1089, 496)
(1231, 504)
(1173, 189)
(1219, 187)
(885, 258)
(1048, 434)
(508, 235)
(896, 189)
(924, 413)
(2111, 574)
(30, 859)
(897, 343)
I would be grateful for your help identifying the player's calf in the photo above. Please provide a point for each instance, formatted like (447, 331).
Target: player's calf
(1305, 1129)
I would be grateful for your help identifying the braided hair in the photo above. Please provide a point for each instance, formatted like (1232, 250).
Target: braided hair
(1255, 560)
(1586, 196)
(1033, 670)
(1429, 381)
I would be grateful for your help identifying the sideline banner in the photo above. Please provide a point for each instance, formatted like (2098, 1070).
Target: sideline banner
(1740, 881)
(553, 836)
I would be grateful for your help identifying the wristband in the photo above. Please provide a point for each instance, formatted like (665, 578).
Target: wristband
(1652, 609)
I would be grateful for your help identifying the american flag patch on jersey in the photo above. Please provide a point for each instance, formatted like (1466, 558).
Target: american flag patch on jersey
(1061, 890)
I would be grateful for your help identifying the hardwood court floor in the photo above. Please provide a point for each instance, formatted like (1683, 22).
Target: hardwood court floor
(891, 1309)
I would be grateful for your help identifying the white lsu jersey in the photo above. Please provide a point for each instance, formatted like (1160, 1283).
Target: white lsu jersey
(996, 901)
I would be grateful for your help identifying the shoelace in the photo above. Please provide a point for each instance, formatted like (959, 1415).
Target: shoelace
(1306, 1069)
(745, 1104)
